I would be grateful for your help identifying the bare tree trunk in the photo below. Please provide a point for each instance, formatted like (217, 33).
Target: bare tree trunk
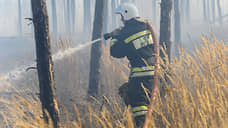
(183, 9)
(165, 27)
(154, 12)
(106, 16)
(73, 15)
(65, 15)
(188, 16)
(219, 11)
(114, 20)
(87, 16)
(44, 62)
(68, 26)
(54, 18)
(208, 11)
(94, 76)
(19, 19)
(205, 11)
(177, 26)
(213, 10)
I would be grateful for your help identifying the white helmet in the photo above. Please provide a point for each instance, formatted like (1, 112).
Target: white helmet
(128, 11)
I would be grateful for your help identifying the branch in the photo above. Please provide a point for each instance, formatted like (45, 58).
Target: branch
(30, 68)
(30, 20)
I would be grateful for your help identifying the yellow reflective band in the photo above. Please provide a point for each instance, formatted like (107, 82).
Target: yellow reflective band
(113, 41)
(141, 113)
(143, 41)
(140, 69)
(140, 74)
(139, 108)
(139, 34)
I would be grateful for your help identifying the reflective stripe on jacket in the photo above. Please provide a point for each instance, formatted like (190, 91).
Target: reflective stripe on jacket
(142, 71)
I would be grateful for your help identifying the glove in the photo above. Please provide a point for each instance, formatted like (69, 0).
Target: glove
(112, 34)
(107, 36)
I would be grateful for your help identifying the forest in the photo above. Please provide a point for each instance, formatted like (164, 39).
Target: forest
(57, 69)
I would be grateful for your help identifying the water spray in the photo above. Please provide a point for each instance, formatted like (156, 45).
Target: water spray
(19, 72)
(68, 52)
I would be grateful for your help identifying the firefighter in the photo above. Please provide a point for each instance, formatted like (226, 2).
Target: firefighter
(136, 42)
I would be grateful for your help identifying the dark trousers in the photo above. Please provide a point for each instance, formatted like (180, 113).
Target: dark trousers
(138, 88)
(137, 93)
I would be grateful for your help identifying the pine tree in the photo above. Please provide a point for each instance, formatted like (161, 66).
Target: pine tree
(213, 6)
(87, 16)
(154, 6)
(68, 21)
(165, 27)
(96, 50)
(219, 11)
(73, 15)
(114, 20)
(106, 16)
(19, 18)
(177, 26)
(188, 14)
(208, 11)
(44, 62)
(54, 18)
(205, 11)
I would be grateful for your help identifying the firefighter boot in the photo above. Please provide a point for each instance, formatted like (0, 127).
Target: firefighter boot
(123, 92)
(139, 121)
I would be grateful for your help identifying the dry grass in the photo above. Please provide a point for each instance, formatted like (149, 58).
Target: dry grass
(195, 95)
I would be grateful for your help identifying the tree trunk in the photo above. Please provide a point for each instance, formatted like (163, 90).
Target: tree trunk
(204, 11)
(219, 11)
(73, 15)
(208, 11)
(114, 20)
(154, 12)
(188, 16)
(182, 7)
(44, 62)
(19, 19)
(177, 27)
(213, 4)
(106, 16)
(165, 27)
(68, 26)
(65, 15)
(87, 16)
(54, 18)
(96, 50)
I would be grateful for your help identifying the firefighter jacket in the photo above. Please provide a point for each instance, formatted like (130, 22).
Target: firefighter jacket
(135, 42)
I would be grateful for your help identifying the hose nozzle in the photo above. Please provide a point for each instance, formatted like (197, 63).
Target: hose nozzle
(107, 36)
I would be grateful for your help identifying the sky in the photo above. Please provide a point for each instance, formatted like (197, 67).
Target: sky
(9, 14)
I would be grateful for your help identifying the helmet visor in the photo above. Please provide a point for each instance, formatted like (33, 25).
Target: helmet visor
(118, 10)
